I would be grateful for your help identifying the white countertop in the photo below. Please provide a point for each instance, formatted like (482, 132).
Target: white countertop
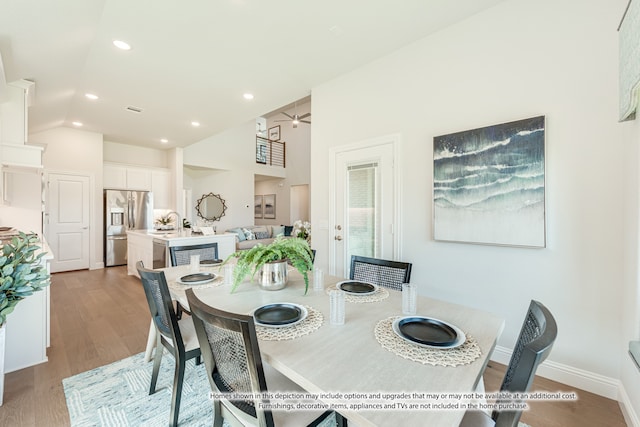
(172, 235)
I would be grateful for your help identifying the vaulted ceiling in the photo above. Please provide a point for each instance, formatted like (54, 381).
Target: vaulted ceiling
(193, 60)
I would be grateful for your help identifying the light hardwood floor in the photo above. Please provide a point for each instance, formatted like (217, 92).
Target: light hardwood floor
(101, 316)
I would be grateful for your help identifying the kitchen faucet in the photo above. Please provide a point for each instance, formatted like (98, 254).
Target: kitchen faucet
(178, 219)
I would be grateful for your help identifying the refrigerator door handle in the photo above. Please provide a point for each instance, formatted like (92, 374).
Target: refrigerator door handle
(132, 219)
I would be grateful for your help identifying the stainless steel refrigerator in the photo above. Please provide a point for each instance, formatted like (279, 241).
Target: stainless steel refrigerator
(124, 210)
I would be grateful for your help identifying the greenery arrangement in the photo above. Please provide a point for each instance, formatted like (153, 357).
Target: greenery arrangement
(294, 250)
(21, 272)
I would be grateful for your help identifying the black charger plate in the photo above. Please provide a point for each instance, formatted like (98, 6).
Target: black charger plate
(356, 287)
(279, 314)
(427, 331)
(197, 278)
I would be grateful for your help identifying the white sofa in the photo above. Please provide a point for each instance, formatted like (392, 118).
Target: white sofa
(249, 236)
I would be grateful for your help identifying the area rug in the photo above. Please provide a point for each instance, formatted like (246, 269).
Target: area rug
(117, 395)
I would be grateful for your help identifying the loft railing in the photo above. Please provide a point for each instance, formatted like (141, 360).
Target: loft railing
(270, 152)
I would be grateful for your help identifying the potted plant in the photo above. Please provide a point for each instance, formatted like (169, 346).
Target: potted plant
(274, 258)
(21, 272)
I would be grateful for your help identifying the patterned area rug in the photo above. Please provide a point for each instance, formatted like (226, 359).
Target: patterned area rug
(116, 395)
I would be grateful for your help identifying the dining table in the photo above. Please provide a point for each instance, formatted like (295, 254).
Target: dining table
(363, 369)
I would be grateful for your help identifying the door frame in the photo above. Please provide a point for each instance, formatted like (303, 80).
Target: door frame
(93, 221)
(395, 141)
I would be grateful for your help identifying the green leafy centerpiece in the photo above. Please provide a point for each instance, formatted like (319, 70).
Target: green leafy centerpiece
(21, 272)
(294, 251)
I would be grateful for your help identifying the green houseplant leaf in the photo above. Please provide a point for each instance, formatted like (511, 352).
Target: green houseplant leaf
(294, 250)
(21, 272)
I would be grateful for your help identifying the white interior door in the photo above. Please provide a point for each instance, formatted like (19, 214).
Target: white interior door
(67, 224)
(365, 205)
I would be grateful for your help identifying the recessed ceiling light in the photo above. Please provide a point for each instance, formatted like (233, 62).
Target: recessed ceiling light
(248, 96)
(195, 124)
(91, 96)
(121, 45)
(164, 140)
(78, 124)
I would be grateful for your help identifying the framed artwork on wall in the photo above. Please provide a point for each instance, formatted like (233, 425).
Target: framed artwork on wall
(274, 133)
(257, 207)
(269, 202)
(489, 185)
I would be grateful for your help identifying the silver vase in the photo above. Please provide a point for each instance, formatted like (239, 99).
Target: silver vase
(273, 275)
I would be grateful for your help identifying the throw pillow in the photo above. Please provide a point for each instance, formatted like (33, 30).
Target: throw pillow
(288, 229)
(248, 234)
(261, 232)
(277, 230)
(238, 232)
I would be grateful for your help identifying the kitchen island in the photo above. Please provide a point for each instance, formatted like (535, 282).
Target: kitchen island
(152, 246)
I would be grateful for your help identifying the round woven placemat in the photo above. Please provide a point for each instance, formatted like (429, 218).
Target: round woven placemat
(463, 355)
(380, 294)
(311, 323)
(219, 280)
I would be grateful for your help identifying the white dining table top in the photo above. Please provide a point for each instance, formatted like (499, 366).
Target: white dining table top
(348, 358)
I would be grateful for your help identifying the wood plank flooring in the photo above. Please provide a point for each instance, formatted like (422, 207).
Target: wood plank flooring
(101, 316)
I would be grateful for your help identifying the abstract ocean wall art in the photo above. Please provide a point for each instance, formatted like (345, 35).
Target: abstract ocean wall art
(489, 185)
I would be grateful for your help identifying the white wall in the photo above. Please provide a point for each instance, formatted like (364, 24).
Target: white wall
(517, 60)
(131, 154)
(77, 151)
(298, 152)
(630, 375)
(224, 164)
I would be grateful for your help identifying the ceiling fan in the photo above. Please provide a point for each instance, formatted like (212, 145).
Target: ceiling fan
(296, 119)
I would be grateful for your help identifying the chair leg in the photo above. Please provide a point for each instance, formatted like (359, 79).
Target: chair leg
(157, 359)
(178, 311)
(341, 421)
(217, 414)
(177, 390)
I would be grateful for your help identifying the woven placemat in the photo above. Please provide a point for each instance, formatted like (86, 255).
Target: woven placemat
(379, 295)
(175, 285)
(463, 355)
(311, 323)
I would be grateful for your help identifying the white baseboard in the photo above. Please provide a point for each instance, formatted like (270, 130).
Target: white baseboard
(584, 380)
(579, 378)
(630, 417)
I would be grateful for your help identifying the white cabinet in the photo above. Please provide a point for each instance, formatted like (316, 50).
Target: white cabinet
(13, 113)
(161, 187)
(157, 180)
(120, 177)
(139, 248)
(28, 330)
(114, 177)
(138, 179)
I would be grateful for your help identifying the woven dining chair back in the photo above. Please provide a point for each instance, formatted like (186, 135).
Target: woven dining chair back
(390, 274)
(537, 335)
(177, 336)
(181, 255)
(234, 365)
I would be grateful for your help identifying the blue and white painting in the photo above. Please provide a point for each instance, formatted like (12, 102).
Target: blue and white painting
(489, 184)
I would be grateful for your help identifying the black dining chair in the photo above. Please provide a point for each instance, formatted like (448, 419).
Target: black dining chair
(177, 336)
(181, 255)
(234, 365)
(537, 335)
(390, 274)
